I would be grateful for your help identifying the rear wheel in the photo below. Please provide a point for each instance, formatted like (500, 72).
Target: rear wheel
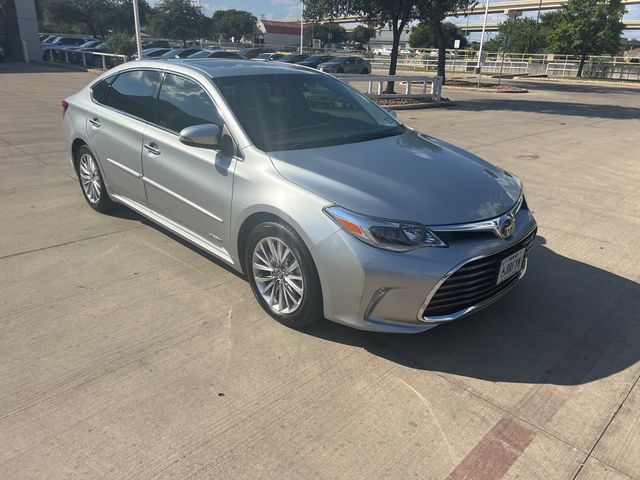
(282, 275)
(364, 71)
(91, 181)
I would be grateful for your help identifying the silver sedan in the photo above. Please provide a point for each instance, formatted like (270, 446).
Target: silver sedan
(329, 206)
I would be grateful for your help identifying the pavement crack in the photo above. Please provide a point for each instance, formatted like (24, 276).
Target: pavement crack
(70, 242)
(604, 430)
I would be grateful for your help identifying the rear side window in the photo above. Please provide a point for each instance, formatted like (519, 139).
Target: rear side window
(100, 90)
(183, 103)
(132, 93)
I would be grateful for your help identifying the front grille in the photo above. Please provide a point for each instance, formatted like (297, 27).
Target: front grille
(474, 282)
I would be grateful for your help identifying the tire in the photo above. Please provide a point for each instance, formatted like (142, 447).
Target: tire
(339, 70)
(364, 71)
(293, 295)
(91, 181)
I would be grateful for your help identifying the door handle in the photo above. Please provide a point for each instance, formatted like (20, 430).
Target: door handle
(152, 148)
(95, 121)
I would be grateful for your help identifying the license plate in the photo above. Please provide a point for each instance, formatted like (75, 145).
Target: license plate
(510, 266)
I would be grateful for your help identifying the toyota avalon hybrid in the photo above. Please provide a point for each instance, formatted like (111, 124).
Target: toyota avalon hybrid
(328, 205)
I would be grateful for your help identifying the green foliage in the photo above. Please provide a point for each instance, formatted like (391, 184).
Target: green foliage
(433, 12)
(233, 23)
(587, 27)
(424, 35)
(326, 32)
(93, 17)
(518, 35)
(361, 34)
(180, 19)
(121, 44)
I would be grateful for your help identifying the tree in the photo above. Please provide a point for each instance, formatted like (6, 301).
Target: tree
(362, 34)
(233, 23)
(395, 14)
(82, 16)
(424, 35)
(325, 32)
(587, 27)
(518, 35)
(181, 20)
(95, 17)
(433, 12)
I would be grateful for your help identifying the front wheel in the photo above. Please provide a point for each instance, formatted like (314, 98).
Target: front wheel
(364, 71)
(282, 275)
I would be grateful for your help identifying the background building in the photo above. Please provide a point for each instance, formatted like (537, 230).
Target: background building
(274, 32)
(19, 30)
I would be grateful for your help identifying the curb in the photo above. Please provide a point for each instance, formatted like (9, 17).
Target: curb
(484, 89)
(420, 106)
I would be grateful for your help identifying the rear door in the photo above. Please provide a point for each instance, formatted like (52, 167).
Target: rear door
(189, 185)
(123, 106)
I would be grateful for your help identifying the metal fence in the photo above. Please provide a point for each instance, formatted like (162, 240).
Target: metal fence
(429, 88)
(86, 59)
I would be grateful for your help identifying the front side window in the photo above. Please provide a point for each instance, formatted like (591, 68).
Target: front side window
(296, 111)
(183, 103)
(132, 93)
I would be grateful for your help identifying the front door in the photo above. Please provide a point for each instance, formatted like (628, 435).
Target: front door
(190, 186)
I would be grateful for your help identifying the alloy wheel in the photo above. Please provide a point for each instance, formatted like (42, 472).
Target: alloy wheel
(90, 178)
(278, 275)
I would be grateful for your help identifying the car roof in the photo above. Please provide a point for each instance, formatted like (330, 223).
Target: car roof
(223, 67)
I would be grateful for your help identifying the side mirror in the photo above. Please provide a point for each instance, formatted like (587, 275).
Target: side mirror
(204, 136)
(390, 111)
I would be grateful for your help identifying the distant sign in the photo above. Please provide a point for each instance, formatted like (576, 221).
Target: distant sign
(456, 43)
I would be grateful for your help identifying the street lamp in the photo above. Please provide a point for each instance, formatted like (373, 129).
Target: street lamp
(136, 21)
(484, 27)
(301, 24)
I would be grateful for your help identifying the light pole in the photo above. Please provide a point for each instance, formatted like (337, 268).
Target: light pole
(301, 24)
(136, 21)
(484, 27)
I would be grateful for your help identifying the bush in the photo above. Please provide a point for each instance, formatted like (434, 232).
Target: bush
(122, 44)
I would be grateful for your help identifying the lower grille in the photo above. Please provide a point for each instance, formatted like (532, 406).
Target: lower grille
(475, 282)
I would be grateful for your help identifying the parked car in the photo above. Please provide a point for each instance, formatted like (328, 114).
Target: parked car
(330, 206)
(156, 44)
(269, 57)
(315, 60)
(293, 58)
(1, 53)
(216, 54)
(61, 43)
(179, 53)
(151, 53)
(254, 52)
(87, 44)
(346, 65)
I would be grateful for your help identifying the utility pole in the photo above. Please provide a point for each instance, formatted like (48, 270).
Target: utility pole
(484, 28)
(136, 21)
(301, 25)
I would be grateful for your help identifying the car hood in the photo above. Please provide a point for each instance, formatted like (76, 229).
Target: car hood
(410, 177)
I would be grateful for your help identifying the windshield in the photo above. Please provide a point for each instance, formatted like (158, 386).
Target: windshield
(296, 111)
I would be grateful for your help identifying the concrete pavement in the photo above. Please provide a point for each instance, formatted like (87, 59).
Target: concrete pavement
(125, 353)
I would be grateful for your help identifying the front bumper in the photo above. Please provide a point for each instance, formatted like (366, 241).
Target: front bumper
(373, 289)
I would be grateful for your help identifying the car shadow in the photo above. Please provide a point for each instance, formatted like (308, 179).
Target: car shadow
(556, 326)
(587, 110)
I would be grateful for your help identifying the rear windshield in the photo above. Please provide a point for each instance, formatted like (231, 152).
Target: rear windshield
(296, 111)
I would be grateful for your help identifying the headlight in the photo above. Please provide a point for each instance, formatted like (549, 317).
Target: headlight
(386, 234)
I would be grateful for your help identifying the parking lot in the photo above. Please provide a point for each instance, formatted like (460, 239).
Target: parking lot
(127, 353)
